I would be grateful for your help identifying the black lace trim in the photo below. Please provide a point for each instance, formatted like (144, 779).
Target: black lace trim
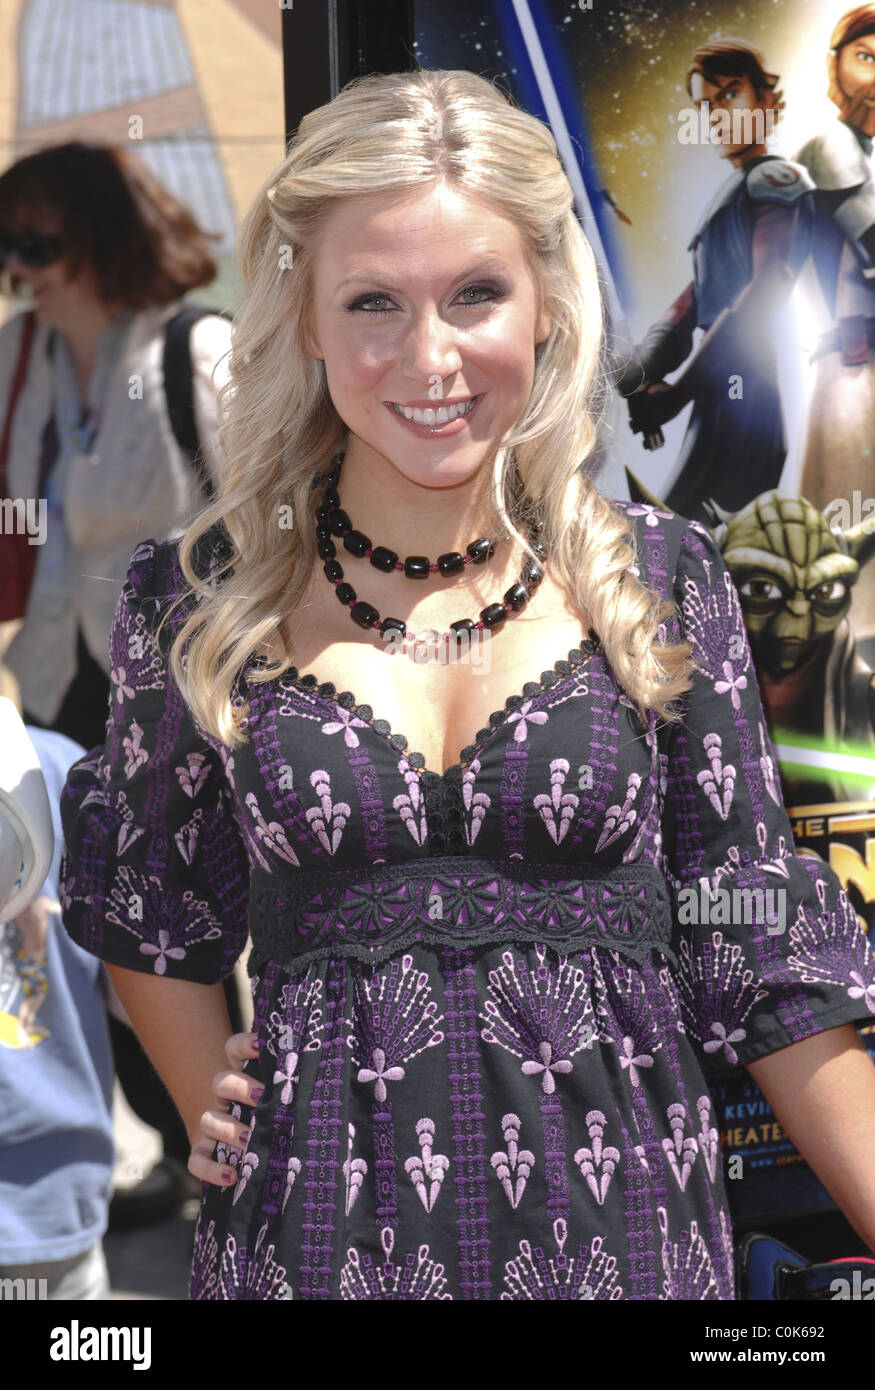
(370, 915)
(327, 690)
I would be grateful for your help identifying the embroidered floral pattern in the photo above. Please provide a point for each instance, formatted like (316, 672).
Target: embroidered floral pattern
(482, 1022)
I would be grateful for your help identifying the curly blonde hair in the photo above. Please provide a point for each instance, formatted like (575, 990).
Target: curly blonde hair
(392, 134)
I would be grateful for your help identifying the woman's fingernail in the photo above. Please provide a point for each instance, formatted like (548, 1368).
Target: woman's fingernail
(256, 1093)
(243, 1136)
(227, 1175)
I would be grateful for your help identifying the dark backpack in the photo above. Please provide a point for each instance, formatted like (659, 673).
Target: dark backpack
(179, 386)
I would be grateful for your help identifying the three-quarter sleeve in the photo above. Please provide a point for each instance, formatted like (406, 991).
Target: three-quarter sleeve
(770, 947)
(154, 874)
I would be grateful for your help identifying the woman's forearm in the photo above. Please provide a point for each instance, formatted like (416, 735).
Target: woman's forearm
(823, 1092)
(183, 1027)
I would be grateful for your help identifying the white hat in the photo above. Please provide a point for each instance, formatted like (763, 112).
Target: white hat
(27, 838)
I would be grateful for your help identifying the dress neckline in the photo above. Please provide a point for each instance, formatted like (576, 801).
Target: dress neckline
(346, 700)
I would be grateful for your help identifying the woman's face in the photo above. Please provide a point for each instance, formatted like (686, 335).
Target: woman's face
(425, 305)
(58, 298)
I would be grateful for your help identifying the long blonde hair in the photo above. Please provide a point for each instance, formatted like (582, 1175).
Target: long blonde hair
(392, 134)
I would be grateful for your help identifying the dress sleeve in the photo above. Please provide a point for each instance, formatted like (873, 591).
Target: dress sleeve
(770, 948)
(154, 874)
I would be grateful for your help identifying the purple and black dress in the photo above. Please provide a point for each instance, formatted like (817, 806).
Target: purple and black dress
(484, 999)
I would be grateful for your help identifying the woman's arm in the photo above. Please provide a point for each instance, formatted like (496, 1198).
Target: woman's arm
(183, 1027)
(822, 1090)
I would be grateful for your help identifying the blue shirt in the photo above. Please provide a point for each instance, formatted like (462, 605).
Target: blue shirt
(57, 1149)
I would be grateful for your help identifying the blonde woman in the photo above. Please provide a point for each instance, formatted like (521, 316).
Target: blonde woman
(481, 996)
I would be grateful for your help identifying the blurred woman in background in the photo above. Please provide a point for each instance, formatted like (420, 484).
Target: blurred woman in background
(93, 438)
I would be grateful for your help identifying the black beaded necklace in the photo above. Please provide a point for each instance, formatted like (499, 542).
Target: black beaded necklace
(332, 520)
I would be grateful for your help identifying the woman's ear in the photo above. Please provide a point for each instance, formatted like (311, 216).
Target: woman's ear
(543, 328)
(311, 342)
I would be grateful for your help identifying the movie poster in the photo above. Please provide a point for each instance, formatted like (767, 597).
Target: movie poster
(721, 154)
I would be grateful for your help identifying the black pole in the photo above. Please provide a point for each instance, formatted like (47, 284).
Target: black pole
(326, 44)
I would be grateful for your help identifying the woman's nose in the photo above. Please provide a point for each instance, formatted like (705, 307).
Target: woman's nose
(431, 348)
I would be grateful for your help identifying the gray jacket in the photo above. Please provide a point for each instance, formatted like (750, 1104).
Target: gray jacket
(133, 484)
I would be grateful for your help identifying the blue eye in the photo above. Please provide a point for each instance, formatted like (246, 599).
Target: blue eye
(360, 305)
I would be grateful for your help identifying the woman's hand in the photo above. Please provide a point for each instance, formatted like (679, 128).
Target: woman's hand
(218, 1125)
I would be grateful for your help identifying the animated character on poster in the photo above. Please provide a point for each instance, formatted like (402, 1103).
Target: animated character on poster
(839, 458)
(795, 577)
(747, 251)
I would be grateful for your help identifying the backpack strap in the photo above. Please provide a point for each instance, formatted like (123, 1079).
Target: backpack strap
(179, 386)
(28, 328)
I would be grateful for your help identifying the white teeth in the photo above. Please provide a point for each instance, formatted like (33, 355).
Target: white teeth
(441, 416)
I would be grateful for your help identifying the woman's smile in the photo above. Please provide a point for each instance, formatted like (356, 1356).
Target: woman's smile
(447, 417)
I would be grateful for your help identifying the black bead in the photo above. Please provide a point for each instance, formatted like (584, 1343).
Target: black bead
(517, 596)
(339, 522)
(532, 573)
(393, 625)
(346, 593)
(333, 570)
(494, 615)
(323, 531)
(383, 559)
(416, 567)
(322, 516)
(539, 547)
(364, 614)
(463, 625)
(450, 563)
(326, 550)
(357, 542)
(481, 550)
(331, 498)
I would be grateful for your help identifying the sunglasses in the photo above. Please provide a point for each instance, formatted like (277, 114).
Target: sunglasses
(32, 249)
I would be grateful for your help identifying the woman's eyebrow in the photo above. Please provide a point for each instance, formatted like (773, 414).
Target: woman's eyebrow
(482, 264)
